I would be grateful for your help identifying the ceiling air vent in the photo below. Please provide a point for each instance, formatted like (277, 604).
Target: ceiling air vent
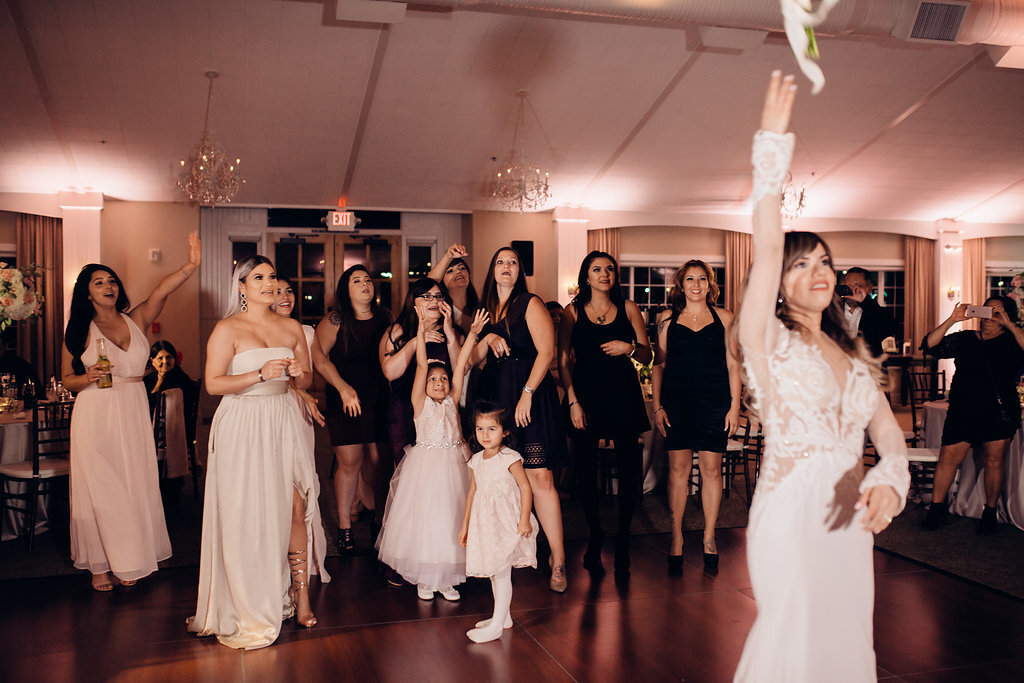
(932, 22)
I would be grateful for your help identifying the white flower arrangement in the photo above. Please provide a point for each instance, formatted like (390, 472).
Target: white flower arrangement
(18, 297)
(1017, 294)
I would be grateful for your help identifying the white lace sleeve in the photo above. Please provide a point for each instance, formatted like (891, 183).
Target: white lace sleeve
(770, 155)
(892, 468)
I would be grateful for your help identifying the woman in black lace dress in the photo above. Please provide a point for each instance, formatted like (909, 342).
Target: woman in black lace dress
(519, 345)
(599, 333)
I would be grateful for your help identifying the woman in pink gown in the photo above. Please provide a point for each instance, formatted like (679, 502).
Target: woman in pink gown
(809, 539)
(117, 518)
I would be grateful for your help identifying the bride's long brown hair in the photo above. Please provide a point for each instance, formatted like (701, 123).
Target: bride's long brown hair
(797, 245)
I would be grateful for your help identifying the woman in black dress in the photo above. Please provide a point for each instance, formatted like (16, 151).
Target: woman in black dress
(696, 398)
(163, 357)
(984, 410)
(599, 333)
(357, 393)
(519, 345)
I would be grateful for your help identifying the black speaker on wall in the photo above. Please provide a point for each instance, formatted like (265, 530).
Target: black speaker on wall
(525, 250)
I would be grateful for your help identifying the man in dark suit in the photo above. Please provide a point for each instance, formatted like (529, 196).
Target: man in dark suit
(863, 316)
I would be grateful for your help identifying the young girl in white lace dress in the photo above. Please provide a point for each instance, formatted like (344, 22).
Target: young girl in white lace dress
(498, 530)
(419, 537)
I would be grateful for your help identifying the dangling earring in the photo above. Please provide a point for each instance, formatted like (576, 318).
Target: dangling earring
(245, 306)
(780, 300)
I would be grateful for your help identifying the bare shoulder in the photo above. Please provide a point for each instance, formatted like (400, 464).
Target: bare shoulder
(536, 305)
(632, 310)
(333, 318)
(725, 315)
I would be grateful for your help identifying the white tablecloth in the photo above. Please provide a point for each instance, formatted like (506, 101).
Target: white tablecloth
(17, 447)
(967, 496)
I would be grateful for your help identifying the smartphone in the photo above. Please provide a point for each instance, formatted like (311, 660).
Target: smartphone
(844, 290)
(979, 311)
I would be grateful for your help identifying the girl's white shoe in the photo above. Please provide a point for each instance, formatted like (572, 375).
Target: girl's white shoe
(424, 592)
(450, 594)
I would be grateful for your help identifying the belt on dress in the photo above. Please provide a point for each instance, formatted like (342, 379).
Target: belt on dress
(420, 444)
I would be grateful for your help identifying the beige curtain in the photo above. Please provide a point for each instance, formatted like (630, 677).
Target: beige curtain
(41, 242)
(606, 240)
(920, 281)
(739, 254)
(974, 290)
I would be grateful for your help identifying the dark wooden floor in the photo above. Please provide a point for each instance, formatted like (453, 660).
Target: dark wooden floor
(928, 627)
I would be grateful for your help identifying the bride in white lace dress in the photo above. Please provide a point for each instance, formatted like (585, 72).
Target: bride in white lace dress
(809, 540)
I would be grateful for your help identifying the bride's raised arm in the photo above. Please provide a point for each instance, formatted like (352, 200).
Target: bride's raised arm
(772, 152)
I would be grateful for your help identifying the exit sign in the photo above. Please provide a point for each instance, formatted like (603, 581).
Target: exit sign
(341, 220)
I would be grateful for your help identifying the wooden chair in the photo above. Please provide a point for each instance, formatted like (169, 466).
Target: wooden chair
(192, 420)
(923, 462)
(753, 449)
(923, 386)
(742, 452)
(51, 451)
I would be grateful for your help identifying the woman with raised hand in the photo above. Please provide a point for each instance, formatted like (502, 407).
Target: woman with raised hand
(357, 391)
(809, 539)
(697, 390)
(260, 482)
(118, 532)
(600, 332)
(452, 271)
(519, 345)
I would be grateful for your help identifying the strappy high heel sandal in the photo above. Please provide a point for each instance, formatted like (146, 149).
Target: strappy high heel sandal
(346, 546)
(297, 563)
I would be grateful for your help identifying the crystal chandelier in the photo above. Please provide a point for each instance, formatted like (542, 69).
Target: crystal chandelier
(209, 177)
(791, 200)
(520, 186)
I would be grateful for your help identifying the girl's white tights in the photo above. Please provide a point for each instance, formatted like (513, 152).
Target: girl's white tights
(490, 629)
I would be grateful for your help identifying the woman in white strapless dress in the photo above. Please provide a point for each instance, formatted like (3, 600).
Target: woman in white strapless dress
(260, 483)
(117, 518)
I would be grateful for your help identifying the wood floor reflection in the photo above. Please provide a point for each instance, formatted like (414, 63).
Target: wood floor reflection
(928, 627)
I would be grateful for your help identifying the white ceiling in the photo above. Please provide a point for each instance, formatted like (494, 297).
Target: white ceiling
(108, 95)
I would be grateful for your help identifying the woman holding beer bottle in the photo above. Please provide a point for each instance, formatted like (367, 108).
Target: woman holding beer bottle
(118, 531)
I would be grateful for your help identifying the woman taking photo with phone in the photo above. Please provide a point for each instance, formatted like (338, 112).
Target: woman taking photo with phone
(984, 410)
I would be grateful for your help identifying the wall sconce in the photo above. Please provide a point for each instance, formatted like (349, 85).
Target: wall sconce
(574, 289)
(953, 293)
(950, 248)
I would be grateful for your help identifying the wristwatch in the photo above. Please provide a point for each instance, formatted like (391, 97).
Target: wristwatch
(528, 389)
(259, 373)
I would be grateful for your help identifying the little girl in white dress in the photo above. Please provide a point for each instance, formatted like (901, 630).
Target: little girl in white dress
(498, 530)
(419, 537)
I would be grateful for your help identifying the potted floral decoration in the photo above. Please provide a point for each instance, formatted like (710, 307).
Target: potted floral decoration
(18, 297)
(1017, 294)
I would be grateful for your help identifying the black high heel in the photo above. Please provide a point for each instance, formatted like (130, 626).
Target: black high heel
(592, 558)
(622, 556)
(711, 561)
(675, 565)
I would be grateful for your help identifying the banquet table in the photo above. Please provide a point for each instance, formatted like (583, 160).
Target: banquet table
(16, 438)
(967, 495)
